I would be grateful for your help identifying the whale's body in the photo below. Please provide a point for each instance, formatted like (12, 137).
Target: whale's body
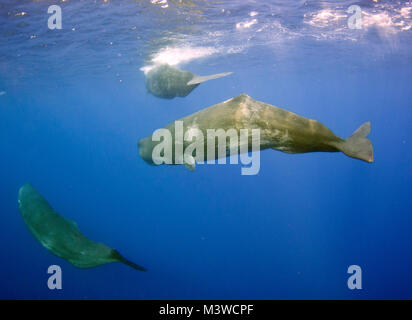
(167, 82)
(61, 236)
(279, 129)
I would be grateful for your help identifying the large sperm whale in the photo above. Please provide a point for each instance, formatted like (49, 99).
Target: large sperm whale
(61, 236)
(167, 82)
(279, 129)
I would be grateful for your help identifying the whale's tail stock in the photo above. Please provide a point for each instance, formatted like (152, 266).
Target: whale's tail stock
(357, 145)
(118, 257)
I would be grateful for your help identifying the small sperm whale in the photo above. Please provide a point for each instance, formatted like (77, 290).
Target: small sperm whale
(167, 82)
(61, 236)
(279, 129)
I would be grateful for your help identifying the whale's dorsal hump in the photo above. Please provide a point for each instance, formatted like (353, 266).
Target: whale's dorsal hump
(241, 98)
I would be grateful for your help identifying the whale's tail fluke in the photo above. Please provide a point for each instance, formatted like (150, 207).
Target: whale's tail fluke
(357, 145)
(200, 79)
(118, 257)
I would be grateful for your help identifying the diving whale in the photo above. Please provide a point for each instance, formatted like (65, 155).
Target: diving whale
(167, 82)
(279, 129)
(61, 236)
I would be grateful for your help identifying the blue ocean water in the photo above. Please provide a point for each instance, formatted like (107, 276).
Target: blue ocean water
(73, 105)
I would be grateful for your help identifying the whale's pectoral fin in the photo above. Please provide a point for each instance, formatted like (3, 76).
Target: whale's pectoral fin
(357, 145)
(199, 79)
(190, 162)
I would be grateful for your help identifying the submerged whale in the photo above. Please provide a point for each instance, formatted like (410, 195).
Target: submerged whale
(279, 129)
(61, 236)
(167, 82)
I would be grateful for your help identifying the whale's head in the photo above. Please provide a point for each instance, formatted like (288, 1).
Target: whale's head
(145, 146)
